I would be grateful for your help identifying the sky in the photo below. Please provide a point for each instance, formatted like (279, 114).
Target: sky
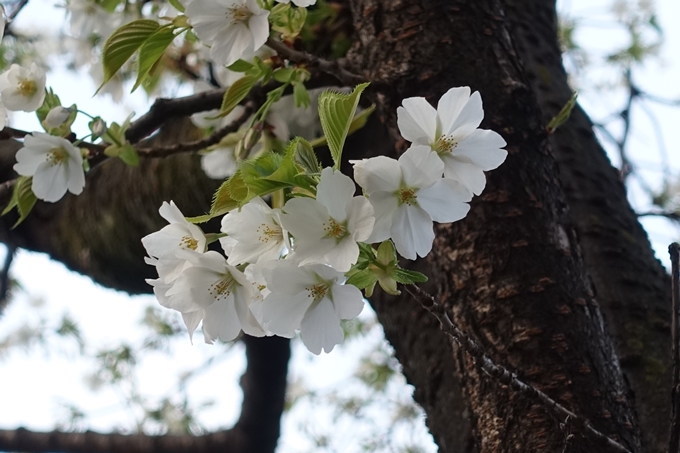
(36, 383)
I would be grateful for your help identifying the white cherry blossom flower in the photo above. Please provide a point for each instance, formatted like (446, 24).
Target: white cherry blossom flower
(310, 298)
(54, 163)
(451, 131)
(254, 234)
(23, 89)
(88, 17)
(326, 230)
(222, 292)
(254, 274)
(407, 195)
(233, 28)
(3, 116)
(179, 235)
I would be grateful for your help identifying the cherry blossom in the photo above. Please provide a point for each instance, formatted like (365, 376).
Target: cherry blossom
(310, 298)
(23, 89)
(233, 28)
(54, 163)
(407, 195)
(222, 292)
(300, 3)
(452, 132)
(254, 234)
(57, 116)
(326, 230)
(164, 244)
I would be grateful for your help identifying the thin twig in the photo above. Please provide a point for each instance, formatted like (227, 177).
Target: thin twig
(329, 67)
(203, 143)
(502, 374)
(674, 437)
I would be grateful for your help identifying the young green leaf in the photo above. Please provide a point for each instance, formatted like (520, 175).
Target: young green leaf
(362, 279)
(407, 277)
(305, 156)
(129, 155)
(23, 198)
(123, 43)
(178, 6)
(336, 111)
(236, 93)
(563, 115)
(241, 66)
(151, 51)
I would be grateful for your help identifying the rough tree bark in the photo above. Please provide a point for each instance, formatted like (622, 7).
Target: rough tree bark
(515, 274)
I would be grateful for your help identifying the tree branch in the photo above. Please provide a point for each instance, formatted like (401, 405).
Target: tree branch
(329, 67)
(257, 430)
(502, 374)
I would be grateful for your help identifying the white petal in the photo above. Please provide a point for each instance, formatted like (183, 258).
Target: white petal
(469, 118)
(384, 204)
(450, 106)
(421, 166)
(191, 320)
(417, 120)
(347, 300)
(50, 182)
(249, 324)
(360, 218)
(221, 321)
(378, 174)
(445, 201)
(304, 218)
(470, 175)
(334, 191)
(76, 177)
(320, 328)
(343, 255)
(482, 148)
(28, 160)
(283, 313)
(259, 27)
(412, 232)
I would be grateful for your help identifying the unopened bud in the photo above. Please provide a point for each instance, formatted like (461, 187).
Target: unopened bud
(252, 137)
(98, 127)
(56, 117)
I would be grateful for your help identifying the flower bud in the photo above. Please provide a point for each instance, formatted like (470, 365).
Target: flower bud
(98, 127)
(56, 117)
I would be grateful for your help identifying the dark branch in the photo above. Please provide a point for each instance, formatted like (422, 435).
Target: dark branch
(674, 437)
(503, 375)
(257, 430)
(329, 67)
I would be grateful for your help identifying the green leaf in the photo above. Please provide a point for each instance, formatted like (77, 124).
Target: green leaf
(23, 198)
(362, 279)
(129, 155)
(240, 66)
(301, 95)
(123, 43)
(178, 6)
(386, 253)
(336, 111)
(305, 156)
(236, 93)
(152, 50)
(360, 120)
(563, 115)
(406, 277)
(229, 196)
(283, 75)
(51, 101)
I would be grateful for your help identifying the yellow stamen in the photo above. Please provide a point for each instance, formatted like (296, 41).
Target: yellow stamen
(57, 156)
(334, 229)
(318, 291)
(407, 196)
(445, 144)
(27, 87)
(222, 289)
(239, 13)
(267, 233)
(187, 242)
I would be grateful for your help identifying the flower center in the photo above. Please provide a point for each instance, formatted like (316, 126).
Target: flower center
(266, 233)
(239, 13)
(407, 196)
(27, 87)
(57, 156)
(222, 289)
(445, 144)
(318, 291)
(187, 242)
(335, 230)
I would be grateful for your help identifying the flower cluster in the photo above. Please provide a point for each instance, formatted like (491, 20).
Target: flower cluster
(286, 269)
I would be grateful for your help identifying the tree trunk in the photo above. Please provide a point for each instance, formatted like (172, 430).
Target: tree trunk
(515, 274)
